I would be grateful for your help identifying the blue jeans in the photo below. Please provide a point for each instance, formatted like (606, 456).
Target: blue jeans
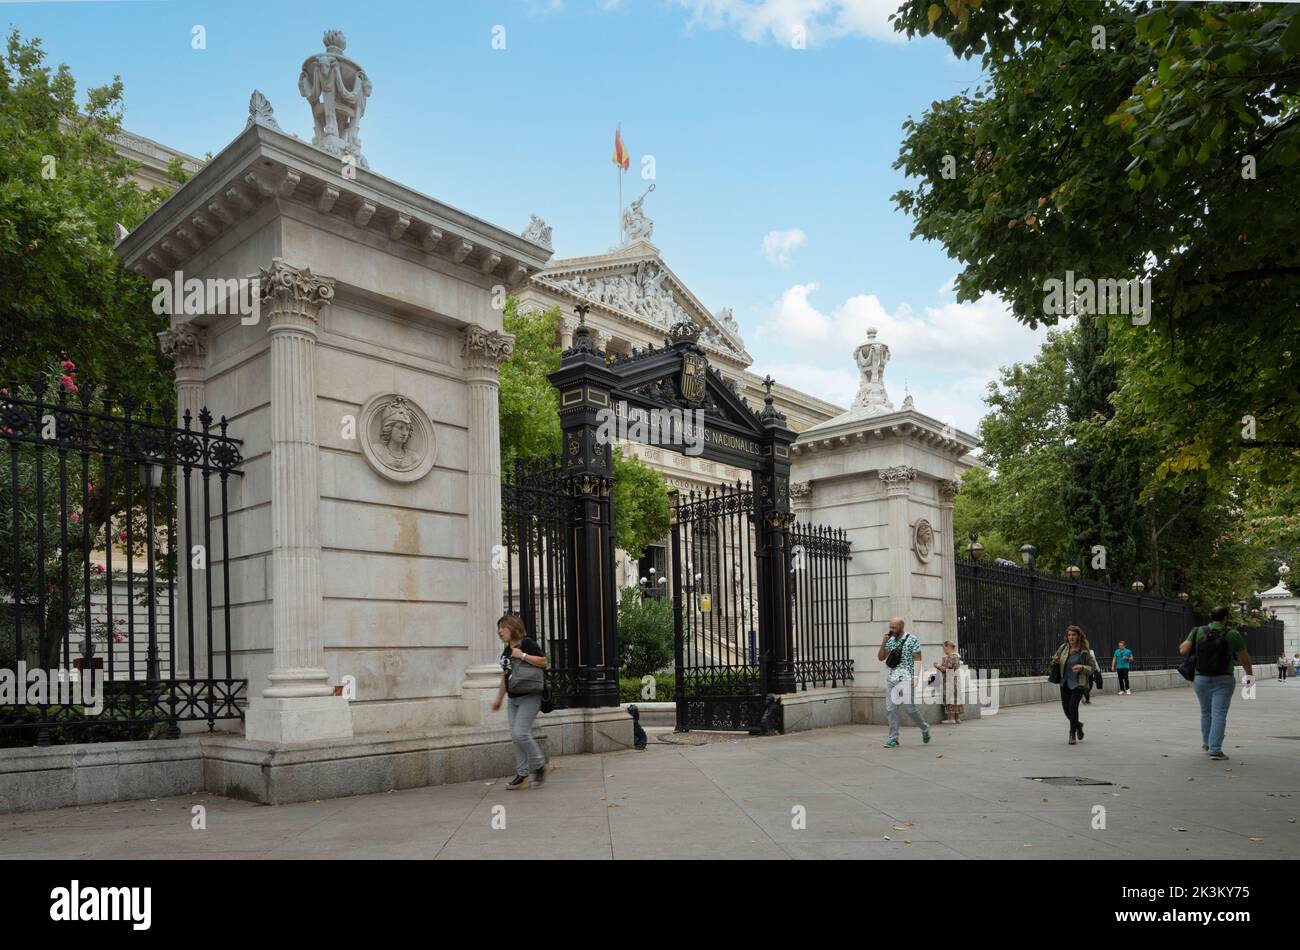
(899, 693)
(1215, 695)
(520, 712)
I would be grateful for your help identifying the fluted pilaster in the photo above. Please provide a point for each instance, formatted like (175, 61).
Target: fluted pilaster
(484, 351)
(292, 300)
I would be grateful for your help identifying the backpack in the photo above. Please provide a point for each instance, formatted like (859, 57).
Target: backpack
(1212, 654)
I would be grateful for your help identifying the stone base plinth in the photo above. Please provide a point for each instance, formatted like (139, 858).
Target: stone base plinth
(301, 719)
(277, 773)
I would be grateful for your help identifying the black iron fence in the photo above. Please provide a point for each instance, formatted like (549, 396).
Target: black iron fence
(820, 558)
(535, 514)
(96, 501)
(1012, 620)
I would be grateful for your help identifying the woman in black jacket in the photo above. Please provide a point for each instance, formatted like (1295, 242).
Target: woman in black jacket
(523, 707)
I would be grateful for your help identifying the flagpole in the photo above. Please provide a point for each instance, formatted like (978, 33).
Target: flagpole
(618, 170)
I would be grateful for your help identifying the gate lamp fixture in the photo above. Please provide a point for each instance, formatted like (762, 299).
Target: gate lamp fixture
(1184, 596)
(1073, 572)
(1028, 554)
(974, 549)
(1137, 587)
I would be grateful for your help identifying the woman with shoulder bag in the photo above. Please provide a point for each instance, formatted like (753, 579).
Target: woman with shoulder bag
(1073, 664)
(523, 679)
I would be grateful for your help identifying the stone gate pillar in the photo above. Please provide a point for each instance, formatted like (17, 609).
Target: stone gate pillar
(483, 352)
(300, 703)
(889, 478)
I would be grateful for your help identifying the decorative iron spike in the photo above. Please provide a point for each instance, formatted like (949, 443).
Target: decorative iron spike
(187, 418)
(205, 418)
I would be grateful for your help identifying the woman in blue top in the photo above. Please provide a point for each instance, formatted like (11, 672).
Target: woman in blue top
(1074, 657)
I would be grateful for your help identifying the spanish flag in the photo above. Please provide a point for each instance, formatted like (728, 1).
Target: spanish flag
(621, 158)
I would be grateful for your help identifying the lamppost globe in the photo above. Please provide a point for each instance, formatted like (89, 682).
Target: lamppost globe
(1184, 596)
(1073, 572)
(974, 549)
(1027, 554)
(1137, 587)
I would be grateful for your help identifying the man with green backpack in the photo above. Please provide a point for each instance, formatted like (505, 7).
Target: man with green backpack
(1215, 648)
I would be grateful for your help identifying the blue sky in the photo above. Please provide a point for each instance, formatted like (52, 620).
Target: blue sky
(772, 164)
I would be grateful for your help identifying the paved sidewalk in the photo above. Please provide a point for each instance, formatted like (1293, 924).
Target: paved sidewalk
(965, 795)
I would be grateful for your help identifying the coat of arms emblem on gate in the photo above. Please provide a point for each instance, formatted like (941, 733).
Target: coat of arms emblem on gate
(694, 371)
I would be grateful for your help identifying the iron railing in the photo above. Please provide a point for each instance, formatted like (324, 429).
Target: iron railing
(535, 514)
(819, 556)
(97, 501)
(1013, 619)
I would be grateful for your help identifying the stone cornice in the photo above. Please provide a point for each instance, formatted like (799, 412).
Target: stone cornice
(907, 424)
(265, 165)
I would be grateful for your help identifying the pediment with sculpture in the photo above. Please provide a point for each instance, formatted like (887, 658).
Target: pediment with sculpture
(646, 290)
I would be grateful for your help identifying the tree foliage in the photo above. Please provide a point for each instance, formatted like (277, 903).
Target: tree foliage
(1135, 140)
(63, 291)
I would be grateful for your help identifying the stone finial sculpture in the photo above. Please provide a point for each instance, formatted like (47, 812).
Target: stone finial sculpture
(336, 88)
(871, 357)
(260, 111)
(537, 231)
(636, 226)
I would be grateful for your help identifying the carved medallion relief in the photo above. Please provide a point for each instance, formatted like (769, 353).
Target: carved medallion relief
(396, 437)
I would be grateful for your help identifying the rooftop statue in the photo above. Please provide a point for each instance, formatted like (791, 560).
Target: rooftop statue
(636, 226)
(871, 357)
(337, 89)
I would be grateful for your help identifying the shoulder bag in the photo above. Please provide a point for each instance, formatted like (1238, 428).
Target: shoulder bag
(525, 679)
(1054, 670)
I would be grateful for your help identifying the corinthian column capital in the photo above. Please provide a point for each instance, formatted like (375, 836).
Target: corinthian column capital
(485, 350)
(948, 490)
(186, 345)
(293, 296)
(897, 479)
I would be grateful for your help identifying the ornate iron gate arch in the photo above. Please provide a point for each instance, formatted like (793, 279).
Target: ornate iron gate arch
(669, 383)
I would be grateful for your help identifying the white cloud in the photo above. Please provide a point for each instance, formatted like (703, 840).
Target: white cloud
(819, 20)
(777, 245)
(947, 353)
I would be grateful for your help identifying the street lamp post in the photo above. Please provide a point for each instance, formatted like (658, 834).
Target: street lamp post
(1028, 554)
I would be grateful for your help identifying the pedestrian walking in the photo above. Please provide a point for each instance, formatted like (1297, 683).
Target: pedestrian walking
(1295, 666)
(1217, 649)
(1074, 660)
(947, 667)
(522, 682)
(901, 652)
(1120, 663)
(1282, 664)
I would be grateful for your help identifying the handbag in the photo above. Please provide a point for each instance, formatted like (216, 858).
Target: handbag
(1096, 679)
(1054, 673)
(525, 679)
(548, 701)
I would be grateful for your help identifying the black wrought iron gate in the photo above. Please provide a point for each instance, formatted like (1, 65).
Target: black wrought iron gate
(721, 676)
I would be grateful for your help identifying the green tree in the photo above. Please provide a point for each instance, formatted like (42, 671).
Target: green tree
(1135, 140)
(63, 291)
